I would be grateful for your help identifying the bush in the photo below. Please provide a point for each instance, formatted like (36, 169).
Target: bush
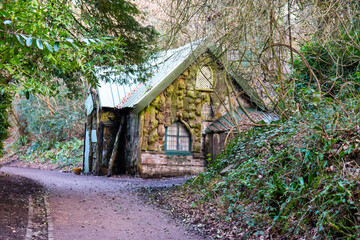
(51, 119)
(61, 154)
(296, 180)
(5, 101)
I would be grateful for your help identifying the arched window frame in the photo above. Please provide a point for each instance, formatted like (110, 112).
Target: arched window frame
(188, 137)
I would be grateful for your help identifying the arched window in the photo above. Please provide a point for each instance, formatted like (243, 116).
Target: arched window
(204, 78)
(177, 139)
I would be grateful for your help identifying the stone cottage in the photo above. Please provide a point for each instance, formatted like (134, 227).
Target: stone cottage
(165, 126)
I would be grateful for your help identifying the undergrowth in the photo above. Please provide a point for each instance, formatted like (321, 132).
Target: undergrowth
(298, 180)
(62, 154)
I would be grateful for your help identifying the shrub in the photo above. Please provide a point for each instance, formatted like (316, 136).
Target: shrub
(51, 119)
(5, 101)
(299, 179)
(62, 154)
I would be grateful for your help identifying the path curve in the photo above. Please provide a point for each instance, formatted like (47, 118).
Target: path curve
(95, 207)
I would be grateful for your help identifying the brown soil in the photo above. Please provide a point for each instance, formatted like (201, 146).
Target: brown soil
(14, 205)
(207, 218)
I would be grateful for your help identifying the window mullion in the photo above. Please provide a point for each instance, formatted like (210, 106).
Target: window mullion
(177, 137)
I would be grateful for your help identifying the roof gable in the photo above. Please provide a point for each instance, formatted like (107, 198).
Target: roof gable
(167, 66)
(177, 61)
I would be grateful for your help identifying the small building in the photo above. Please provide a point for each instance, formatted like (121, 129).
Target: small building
(168, 125)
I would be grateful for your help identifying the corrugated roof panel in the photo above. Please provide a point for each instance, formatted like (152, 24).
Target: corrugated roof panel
(114, 94)
(166, 63)
(214, 128)
(224, 123)
(105, 96)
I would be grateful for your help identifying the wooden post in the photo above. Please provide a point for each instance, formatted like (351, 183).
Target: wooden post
(115, 148)
(98, 163)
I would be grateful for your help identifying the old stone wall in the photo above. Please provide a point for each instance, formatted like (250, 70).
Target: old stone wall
(195, 108)
(162, 165)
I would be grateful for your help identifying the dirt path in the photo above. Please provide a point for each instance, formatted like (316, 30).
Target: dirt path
(91, 207)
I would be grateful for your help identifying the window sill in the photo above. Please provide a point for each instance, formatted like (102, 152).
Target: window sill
(178, 153)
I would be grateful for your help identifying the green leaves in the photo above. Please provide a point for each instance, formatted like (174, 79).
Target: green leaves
(19, 39)
(56, 46)
(29, 41)
(39, 44)
(86, 41)
(48, 46)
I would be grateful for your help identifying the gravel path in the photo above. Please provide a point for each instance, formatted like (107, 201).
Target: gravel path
(93, 207)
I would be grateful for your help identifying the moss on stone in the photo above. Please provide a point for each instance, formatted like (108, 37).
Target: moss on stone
(186, 73)
(182, 83)
(153, 122)
(155, 102)
(153, 137)
(161, 131)
(160, 117)
(196, 147)
(191, 107)
(180, 100)
(191, 94)
(107, 116)
(161, 104)
(191, 115)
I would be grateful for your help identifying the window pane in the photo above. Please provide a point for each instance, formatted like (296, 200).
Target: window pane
(171, 143)
(183, 131)
(172, 129)
(184, 144)
(204, 79)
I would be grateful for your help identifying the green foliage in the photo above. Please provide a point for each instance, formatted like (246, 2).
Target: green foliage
(63, 154)
(46, 45)
(51, 119)
(335, 64)
(296, 180)
(117, 19)
(20, 142)
(4, 123)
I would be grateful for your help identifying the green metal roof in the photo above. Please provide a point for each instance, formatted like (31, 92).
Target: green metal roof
(226, 123)
(167, 66)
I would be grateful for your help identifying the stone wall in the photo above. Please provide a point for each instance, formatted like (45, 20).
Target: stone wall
(181, 101)
(162, 165)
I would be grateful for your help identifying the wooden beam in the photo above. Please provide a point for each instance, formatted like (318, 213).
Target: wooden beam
(115, 148)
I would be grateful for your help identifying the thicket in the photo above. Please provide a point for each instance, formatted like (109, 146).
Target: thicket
(48, 45)
(51, 119)
(64, 155)
(296, 180)
(5, 101)
(50, 129)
